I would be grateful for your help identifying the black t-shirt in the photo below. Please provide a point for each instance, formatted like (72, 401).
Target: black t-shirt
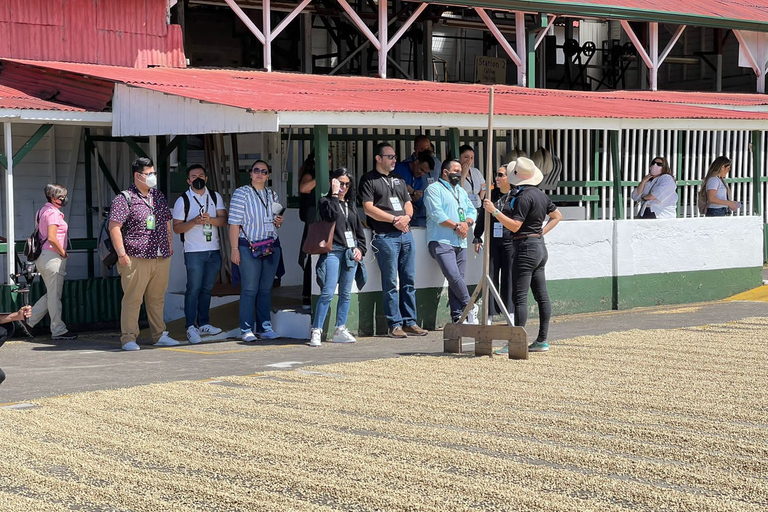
(380, 189)
(502, 202)
(531, 206)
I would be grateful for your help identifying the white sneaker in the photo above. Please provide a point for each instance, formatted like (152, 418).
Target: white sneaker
(342, 335)
(131, 346)
(248, 336)
(209, 330)
(315, 337)
(268, 333)
(193, 335)
(472, 316)
(166, 341)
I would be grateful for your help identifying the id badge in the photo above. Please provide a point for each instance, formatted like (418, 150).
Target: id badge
(430, 180)
(269, 226)
(475, 200)
(349, 236)
(462, 216)
(498, 230)
(395, 202)
(207, 232)
(151, 224)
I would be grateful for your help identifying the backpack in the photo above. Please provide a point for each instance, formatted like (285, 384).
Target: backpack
(34, 245)
(104, 239)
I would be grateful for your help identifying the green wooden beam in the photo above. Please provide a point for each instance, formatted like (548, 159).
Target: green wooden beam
(89, 198)
(757, 194)
(453, 143)
(31, 143)
(618, 196)
(531, 65)
(3, 161)
(322, 180)
(135, 147)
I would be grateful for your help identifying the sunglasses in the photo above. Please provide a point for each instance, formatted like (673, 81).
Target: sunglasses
(660, 164)
(260, 171)
(344, 184)
(501, 175)
(391, 157)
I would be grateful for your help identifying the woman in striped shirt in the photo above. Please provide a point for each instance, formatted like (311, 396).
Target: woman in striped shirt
(254, 216)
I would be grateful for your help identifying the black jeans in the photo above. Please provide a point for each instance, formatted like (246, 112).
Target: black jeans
(528, 272)
(502, 255)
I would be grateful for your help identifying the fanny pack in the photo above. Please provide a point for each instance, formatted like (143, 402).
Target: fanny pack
(259, 248)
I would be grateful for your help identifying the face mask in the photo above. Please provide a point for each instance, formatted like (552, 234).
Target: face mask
(150, 181)
(454, 179)
(655, 170)
(64, 200)
(198, 184)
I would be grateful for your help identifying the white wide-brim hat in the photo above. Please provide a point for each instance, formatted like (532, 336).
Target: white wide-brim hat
(524, 172)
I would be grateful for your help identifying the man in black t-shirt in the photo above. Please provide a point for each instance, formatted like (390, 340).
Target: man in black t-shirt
(389, 211)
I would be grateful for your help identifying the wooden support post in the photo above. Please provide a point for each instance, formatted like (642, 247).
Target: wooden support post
(757, 174)
(453, 143)
(89, 198)
(618, 196)
(320, 134)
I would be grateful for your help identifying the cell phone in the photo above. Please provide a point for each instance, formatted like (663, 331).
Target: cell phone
(282, 211)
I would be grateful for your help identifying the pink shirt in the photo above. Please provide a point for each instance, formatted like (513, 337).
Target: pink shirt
(50, 215)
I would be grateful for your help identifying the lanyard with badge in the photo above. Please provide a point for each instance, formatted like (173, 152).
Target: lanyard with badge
(349, 235)
(462, 215)
(207, 228)
(151, 221)
(269, 223)
(393, 199)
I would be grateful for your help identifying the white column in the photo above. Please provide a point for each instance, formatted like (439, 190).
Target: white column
(10, 214)
(653, 42)
(266, 28)
(522, 68)
(383, 46)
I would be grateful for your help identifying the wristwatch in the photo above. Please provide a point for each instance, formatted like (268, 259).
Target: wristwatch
(496, 212)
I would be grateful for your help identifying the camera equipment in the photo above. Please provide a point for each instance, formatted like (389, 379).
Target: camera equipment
(22, 281)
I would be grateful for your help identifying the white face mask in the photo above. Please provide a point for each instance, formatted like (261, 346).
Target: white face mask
(655, 170)
(151, 181)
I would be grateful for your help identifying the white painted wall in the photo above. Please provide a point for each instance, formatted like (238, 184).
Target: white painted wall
(594, 249)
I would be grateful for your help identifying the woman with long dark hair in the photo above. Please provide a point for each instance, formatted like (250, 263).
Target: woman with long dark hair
(657, 192)
(339, 266)
(715, 192)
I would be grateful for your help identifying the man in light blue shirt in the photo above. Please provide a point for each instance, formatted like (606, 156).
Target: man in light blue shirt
(450, 215)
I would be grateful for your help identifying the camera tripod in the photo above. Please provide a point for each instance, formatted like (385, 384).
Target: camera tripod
(22, 281)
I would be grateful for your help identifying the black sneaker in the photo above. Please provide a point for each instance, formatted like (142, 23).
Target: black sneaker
(67, 336)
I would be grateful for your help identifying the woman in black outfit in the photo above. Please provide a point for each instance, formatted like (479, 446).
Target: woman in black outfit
(501, 247)
(530, 208)
(339, 266)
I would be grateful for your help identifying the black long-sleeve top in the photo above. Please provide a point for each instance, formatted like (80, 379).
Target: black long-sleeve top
(332, 209)
(503, 206)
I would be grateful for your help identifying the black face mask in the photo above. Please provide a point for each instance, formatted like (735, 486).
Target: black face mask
(454, 179)
(64, 201)
(198, 184)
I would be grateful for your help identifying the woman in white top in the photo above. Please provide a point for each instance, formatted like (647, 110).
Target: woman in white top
(715, 192)
(471, 178)
(657, 192)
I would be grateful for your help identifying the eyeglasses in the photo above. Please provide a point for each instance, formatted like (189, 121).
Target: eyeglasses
(263, 172)
(344, 184)
(390, 157)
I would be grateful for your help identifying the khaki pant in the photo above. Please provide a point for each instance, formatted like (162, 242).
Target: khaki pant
(143, 280)
(53, 270)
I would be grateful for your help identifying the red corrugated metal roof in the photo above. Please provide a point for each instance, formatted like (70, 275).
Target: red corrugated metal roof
(11, 98)
(116, 32)
(286, 92)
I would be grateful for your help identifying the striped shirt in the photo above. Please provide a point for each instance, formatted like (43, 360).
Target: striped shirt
(252, 210)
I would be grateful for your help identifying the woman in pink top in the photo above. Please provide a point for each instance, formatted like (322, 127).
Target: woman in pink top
(52, 263)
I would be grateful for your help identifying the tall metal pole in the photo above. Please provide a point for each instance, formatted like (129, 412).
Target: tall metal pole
(487, 232)
(10, 215)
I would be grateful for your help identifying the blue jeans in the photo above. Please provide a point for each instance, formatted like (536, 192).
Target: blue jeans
(528, 272)
(453, 264)
(396, 256)
(716, 212)
(257, 276)
(202, 269)
(335, 273)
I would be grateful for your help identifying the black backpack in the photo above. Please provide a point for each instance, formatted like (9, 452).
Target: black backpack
(34, 244)
(104, 240)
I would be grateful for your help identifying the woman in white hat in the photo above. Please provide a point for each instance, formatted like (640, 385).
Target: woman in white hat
(530, 208)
